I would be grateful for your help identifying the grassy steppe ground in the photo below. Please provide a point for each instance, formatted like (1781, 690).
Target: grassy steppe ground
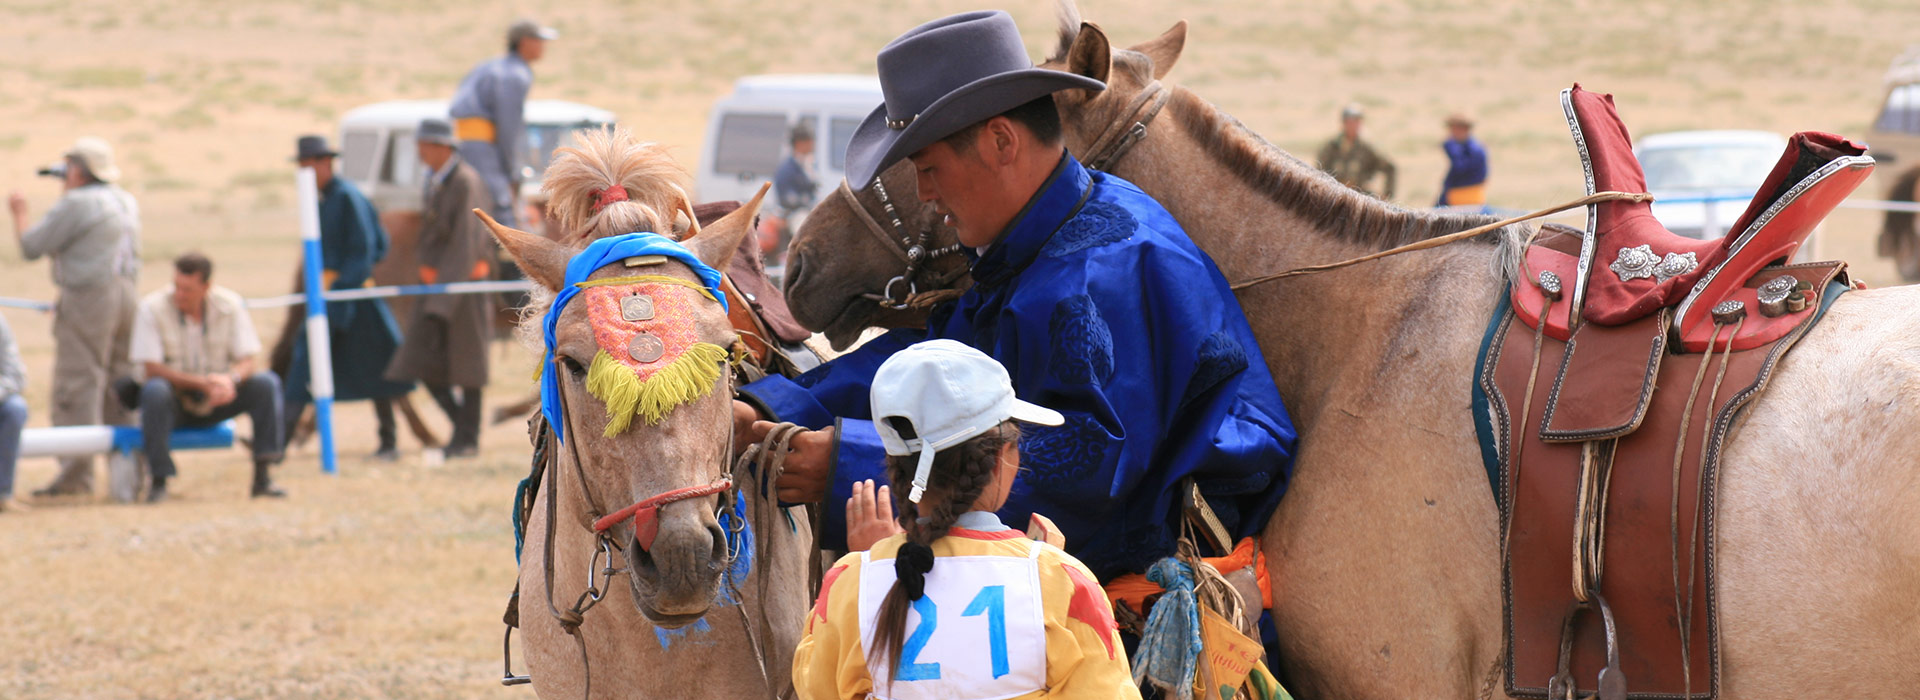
(387, 581)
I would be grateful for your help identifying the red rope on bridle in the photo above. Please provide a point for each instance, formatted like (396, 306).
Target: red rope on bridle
(609, 195)
(645, 513)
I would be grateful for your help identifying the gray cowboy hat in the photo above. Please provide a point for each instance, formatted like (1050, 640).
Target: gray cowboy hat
(944, 76)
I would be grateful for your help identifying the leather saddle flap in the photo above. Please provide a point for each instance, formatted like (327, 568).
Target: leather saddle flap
(1606, 380)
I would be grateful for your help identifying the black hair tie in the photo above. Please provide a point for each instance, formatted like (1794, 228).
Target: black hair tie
(910, 566)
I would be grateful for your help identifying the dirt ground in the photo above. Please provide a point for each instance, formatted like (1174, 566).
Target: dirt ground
(388, 580)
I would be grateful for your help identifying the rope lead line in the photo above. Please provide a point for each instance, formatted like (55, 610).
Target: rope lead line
(1595, 198)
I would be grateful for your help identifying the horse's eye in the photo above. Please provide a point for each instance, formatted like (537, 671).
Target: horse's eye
(573, 367)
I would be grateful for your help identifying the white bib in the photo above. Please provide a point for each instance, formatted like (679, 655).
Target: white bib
(979, 633)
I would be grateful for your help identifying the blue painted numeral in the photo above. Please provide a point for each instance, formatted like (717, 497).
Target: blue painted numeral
(992, 600)
(908, 670)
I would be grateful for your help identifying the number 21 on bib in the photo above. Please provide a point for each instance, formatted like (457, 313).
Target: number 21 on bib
(979, 632)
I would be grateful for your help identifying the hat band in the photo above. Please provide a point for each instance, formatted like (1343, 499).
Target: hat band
(898, 124)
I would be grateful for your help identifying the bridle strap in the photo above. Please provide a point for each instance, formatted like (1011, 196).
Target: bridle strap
(1120, 136)
(873, 225)
(645, 513)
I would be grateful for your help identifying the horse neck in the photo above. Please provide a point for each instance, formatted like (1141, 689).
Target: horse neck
(1377, 324)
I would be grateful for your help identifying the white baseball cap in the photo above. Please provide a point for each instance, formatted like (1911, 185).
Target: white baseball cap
(948, 392)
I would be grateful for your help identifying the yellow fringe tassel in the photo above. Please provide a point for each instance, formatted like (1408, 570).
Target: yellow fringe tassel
(690, 376)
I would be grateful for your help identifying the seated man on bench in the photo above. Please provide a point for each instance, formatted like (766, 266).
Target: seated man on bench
(197, 346)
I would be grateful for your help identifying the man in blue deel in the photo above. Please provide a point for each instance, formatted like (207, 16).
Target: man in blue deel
(1085, 288)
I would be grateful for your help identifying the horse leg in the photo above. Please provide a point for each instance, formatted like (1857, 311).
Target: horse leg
(414, 425)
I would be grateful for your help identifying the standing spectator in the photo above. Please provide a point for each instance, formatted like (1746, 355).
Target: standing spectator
(196, 345)
(446, 341)
(1354, 162)
(1466, 183)
(793, 184)
(13, 414)
(93, 236)
(364, 333)
(489, 115)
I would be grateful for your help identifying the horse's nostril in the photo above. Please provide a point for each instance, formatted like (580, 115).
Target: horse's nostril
(720, 549)
(644, 568)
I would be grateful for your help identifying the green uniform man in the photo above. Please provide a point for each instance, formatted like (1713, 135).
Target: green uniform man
(1353, 161)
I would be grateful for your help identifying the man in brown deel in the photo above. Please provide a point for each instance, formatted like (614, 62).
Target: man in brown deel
(445, 345)
(1354, 162)
(93, 236)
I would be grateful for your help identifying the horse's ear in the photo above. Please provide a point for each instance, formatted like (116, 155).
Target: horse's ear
(1090, 55)
(543, 260)
(1165, 49)
(717, 243)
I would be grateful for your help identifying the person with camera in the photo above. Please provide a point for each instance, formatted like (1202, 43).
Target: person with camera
(93, 237)
(196, 346)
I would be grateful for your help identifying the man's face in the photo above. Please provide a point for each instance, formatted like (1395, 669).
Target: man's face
(188, 292)
(1459, 132)
(322, 169)
(803, 148)
(75, 176)
(532, 48)
(961, 186)
(1351, 127)
(435, 155)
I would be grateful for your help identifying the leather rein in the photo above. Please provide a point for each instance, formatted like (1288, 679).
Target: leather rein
(916, 252)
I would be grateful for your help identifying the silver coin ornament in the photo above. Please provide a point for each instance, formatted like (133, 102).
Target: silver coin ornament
(645, 348)
(1774, 294)
(638, 307)
(1635, 263)
(1550, 284)
(1675, 265)
(1729, 312)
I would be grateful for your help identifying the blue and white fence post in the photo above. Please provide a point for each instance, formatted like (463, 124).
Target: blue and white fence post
(319, 336)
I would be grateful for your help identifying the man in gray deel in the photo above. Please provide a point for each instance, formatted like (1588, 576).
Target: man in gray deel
(93, 237)
(489, 115)
(445, 346)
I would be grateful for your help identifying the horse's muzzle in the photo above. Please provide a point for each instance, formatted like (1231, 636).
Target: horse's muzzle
(677, 579)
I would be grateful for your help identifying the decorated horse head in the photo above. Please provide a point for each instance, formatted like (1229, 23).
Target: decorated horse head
(635, 380)
(877, 256)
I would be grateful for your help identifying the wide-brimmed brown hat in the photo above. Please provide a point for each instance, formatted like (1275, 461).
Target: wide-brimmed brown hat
(944, 76)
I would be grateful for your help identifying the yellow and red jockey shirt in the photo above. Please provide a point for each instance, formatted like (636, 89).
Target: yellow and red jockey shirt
(1003, 617)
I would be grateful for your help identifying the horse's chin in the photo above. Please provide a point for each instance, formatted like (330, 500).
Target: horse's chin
(672, 622)
(690, 609)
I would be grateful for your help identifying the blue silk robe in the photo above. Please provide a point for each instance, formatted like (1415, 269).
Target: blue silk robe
(1101, 308)
(364, 333)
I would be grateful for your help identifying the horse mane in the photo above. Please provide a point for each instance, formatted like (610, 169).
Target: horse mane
(656, 189)
(1333, 208)
(611, 157)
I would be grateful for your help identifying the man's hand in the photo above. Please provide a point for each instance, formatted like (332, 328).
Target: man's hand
(220, 390)
(17, 206)
(807, 468)
(869, 516)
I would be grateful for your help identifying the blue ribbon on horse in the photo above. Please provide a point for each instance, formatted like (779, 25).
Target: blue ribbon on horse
(739, 549)
(1170, 646)
(599, 254)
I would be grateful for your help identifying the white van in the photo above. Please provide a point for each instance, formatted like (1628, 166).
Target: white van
(747, 130)
(377, 148)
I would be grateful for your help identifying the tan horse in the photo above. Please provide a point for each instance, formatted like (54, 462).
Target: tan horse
(1384, 552)
(674, 628)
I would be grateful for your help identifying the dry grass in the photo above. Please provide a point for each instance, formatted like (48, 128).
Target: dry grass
(387, 582)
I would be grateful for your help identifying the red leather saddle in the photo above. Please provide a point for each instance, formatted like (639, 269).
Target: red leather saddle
(1628, 265)
(1609, 386)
